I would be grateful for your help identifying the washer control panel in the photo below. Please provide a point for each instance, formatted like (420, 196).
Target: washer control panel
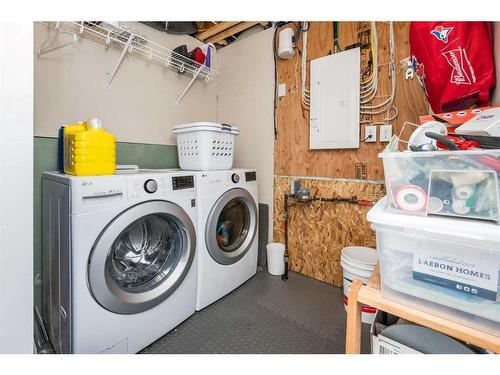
(250, 176)
(235, 178)
(150, 186)
(140, 187)
(182, 182)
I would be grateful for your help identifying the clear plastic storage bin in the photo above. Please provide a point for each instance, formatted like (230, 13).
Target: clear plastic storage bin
(440, 265)
(205, 146)
(447, 183)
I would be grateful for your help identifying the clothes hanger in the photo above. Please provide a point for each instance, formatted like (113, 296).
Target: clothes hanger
(45, 47)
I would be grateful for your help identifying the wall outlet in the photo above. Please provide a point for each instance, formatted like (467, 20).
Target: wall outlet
(281, 90)
(385, 133)
(370, 133)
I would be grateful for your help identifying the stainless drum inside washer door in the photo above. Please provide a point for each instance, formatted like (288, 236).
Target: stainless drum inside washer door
(141, 257)
(231, 226)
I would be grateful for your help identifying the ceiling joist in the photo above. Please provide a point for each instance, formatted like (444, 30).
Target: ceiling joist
(239, 27)
(215, 29)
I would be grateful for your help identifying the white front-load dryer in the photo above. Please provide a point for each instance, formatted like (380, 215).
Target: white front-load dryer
(227, 232)
(120, 261)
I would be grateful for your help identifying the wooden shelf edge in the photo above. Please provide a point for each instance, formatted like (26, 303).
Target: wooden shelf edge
(371, 296)
(353, 331)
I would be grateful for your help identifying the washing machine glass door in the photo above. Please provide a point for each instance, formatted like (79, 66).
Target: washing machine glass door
(141, 257)
(231, 226)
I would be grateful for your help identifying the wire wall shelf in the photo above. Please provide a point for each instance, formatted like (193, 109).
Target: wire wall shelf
(131, 44)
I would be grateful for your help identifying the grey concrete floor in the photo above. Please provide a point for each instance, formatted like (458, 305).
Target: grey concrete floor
(266, 315)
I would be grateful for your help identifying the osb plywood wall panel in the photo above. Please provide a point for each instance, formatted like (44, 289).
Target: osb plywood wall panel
(292, 154)
(318, 231)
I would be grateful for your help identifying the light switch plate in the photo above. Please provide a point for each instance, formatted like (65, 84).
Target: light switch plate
(385, 133)
(281, 89)
(370, 133)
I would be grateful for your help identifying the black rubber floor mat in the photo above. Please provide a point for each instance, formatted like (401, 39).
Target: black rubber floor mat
(266, 315)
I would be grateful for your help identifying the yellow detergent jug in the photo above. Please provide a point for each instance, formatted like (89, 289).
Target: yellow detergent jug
(89, 150)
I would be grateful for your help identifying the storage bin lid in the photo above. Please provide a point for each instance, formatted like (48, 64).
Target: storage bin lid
(455, 228)
(206, 126)
(438, 154)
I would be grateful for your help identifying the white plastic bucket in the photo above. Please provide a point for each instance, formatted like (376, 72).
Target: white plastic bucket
(275, 258)
(361, 256)
(358, 263)
(360, 267)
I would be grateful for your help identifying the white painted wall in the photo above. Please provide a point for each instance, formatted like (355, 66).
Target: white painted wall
(16, 187)
(141, 106)
(245, 99)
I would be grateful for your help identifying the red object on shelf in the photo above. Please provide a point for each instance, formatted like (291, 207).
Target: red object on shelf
(464, 144)
(453, 62)
(197, 55)
(460, 142)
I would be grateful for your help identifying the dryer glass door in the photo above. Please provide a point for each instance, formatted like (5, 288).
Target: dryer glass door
(231, 226)
(141, 257)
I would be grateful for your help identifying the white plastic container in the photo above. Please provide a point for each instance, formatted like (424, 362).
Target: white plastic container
(422, 183)
(275, 258)
(205, 146)
(446, 266)
(358, 263)
(286, 43)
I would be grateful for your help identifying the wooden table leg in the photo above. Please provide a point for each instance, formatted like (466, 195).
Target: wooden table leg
(353, 330)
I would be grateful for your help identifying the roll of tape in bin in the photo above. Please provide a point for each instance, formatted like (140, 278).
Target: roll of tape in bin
(463, 192)
(467, 178)
(411, 198)
(435, 205)
(460, 208)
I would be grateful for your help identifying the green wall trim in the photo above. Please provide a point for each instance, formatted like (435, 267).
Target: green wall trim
(45, 159)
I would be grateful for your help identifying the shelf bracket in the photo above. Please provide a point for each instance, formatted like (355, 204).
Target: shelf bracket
(119, 62)
(195, 75)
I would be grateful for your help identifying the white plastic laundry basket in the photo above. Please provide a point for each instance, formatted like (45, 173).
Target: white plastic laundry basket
(205, 146)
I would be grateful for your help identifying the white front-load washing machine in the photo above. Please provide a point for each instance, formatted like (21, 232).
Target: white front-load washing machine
(119, 258)
(227, 232)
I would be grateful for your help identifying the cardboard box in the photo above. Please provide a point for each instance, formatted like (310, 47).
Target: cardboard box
(486, 123)
(456, 118)
(419, 340)
(382, 344)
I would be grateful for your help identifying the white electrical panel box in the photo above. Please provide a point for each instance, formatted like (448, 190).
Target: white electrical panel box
(334, 113)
